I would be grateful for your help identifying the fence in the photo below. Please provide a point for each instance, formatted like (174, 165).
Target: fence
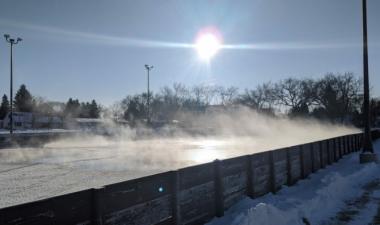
(192, 195)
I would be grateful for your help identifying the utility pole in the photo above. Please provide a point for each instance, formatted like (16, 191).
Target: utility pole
(12, 42)
(148, 69)
(367, 154)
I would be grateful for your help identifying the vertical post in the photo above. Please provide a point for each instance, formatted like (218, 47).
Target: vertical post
(272, 172)
(352, 149)
(289, 167)
(344, 145)
(302, 162)
(357, 143)
(176, 213)
(218, 184)
(11, 89)
(148, 119)
(335, 149)
(148, 68)
(361, 139)
(328, 150)
(340, 143)
(11, 41)
(97, 200)
(322, 164)
(312, 156)
(250, 188)
(367, 142)
(349, 144)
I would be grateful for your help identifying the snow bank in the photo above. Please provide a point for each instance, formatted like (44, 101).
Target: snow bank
(316, 199)
(367, 213)
(325, 204)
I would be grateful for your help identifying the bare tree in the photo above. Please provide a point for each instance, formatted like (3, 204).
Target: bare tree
(116, 110)
(226, 95)
(204, 94)
(261, 98)
(181, 93)
(338, 96)
(296, 94)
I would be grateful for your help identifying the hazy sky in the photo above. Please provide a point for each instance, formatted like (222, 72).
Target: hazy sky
(96, 49)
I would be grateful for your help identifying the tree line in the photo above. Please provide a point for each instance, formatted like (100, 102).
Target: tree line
(334, 97)
(24, 101)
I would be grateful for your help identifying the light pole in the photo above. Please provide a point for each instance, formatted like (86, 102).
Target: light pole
(367, 154)
(12, 42)
(148, 69)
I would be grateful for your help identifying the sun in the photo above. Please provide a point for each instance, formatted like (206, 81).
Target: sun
(207, 44)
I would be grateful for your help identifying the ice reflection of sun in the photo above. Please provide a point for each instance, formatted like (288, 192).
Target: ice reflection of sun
(208, 150)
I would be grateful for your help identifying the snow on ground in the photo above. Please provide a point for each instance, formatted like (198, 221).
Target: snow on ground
(367, 213)
(317, 199)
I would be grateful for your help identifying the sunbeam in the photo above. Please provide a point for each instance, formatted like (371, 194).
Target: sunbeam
(141, 43)
(289, 46)
(97, 38)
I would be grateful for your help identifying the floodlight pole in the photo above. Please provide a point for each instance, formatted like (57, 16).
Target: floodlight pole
(148, 69)
(12, 42)
(367, 154)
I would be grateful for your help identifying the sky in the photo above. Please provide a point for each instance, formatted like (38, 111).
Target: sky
(97, 49)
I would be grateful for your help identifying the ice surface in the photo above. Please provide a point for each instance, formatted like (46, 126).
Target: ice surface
(82, 162)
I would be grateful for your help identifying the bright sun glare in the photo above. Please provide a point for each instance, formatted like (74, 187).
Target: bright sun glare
(207, 45)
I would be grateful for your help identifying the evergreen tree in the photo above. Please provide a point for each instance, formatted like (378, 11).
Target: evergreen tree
(84, 110)
(136, 107)
(4, 107)
(23, 100)
(94, 110)
(72, 108)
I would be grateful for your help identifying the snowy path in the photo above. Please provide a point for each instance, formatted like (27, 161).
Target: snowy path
(361, 210)
(345, 193)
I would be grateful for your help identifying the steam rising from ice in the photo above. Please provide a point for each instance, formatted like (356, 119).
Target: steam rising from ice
(197, 139)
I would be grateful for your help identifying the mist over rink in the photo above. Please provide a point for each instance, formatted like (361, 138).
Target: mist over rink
(87, 161)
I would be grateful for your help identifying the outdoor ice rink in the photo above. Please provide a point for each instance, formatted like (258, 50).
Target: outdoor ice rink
(68, 165)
